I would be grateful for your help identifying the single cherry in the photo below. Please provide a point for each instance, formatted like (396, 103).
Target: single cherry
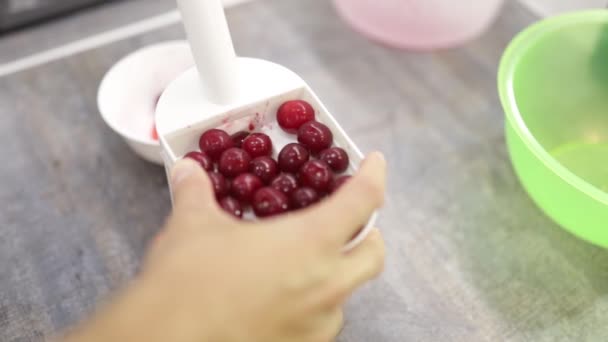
(304, 197)
(233, 162)
(292, 157)
(238, 137)
(336, 158)
(244, 187)
(257, 145)
(214, 142)
(201, 158)
(317, 175)
(293, 114)
(265, 168)
(269, 202)
(220, 184)
(338, 183)
(315, 136)
(232, 206)
(285, 183)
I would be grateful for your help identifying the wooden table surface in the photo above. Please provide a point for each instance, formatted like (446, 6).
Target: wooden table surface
(470, 257)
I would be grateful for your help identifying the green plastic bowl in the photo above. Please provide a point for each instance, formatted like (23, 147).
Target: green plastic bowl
(553, 84)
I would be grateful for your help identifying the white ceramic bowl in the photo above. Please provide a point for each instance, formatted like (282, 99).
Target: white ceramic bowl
(129, 92)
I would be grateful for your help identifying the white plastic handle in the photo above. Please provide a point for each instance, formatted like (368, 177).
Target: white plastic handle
(211, 43)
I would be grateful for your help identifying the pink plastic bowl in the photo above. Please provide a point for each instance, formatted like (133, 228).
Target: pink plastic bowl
(419, 24)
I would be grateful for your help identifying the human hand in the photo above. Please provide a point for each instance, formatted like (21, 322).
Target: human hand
(211, 277)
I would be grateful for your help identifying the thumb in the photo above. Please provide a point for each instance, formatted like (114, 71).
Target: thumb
(192, 189)
(193, 200)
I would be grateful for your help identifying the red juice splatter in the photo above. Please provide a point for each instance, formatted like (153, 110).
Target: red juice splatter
(154, 132)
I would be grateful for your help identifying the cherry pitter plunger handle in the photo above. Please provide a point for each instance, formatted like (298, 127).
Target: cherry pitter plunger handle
(211, 43)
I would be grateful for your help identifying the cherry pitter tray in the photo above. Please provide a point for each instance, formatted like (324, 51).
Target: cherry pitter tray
(234, 94)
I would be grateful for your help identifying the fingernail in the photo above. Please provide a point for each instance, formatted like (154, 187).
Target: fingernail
(182, 170)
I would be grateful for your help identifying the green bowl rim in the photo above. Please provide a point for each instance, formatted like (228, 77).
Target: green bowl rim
(508, 65)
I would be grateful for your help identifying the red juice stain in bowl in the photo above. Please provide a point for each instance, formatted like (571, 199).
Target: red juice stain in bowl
(255, 122)
(154, 132)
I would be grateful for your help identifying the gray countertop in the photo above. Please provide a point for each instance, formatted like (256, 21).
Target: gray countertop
(470, 257)
(78, 25)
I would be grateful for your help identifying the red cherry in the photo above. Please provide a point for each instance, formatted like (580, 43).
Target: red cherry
(244, 186)
(265, 168)
(285, 183)
(201, 158)
(336, 158)
(232, 206)
(214, 142)
(238, 137)
(269, 202)
(304, 197)
(317, 175)
(257, 145)
(219, 183)
(293, 114)
(315, 136)
(292, 157)
(233, 162)
(338, 183)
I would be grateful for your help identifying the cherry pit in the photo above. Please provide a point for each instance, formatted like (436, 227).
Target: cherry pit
(245, 173)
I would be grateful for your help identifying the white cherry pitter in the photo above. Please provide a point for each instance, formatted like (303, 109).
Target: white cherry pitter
(234, 94)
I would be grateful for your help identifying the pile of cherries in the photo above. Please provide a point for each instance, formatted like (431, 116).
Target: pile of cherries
(243, 172)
